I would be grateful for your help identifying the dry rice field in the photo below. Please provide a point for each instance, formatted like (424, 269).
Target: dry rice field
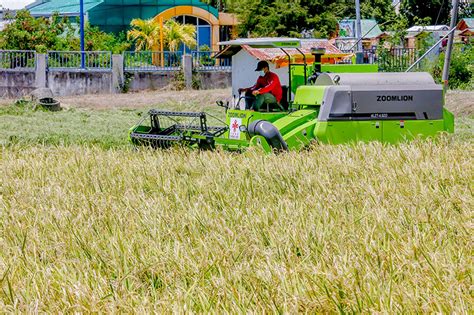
(89, 224)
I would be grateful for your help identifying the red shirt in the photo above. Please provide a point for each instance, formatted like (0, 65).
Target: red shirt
(270, 83)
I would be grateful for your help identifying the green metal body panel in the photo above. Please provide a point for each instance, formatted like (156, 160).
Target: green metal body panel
(300, 136)
(343, 132)
(387, 131)
(294, 119)
(297, 72)
(247, 116)
(234, 139)
(393, 133)
(297, 127)
(309, 95)
(448, 118)
(261, 142)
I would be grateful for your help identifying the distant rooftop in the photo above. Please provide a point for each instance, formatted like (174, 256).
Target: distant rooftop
(467, 23)
(4, 24)
(428, 28)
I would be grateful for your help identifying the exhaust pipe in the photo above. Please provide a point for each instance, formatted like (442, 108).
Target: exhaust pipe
(267, 130)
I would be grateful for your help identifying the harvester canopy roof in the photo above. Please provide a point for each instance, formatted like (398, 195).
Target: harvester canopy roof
(278, 57)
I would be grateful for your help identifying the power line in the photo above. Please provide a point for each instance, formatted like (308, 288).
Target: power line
(439, 12)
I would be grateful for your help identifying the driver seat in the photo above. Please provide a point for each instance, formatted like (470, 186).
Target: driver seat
(284, 98)
(275, 107)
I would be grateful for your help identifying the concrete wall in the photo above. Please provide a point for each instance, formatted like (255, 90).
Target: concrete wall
(214, 79)
(207, 80)
(140, 81)
(15, 84)
(64, 83)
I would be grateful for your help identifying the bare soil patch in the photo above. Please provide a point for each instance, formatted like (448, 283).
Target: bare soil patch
(461, 103)
(145, 99)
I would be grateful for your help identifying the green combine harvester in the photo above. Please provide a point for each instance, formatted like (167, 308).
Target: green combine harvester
(331, 108)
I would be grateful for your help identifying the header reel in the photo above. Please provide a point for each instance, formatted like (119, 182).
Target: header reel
(168, 128)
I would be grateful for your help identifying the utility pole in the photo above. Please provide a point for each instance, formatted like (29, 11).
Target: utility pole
(449, 48)
(358, 31)
(162, 44)
(81, 12)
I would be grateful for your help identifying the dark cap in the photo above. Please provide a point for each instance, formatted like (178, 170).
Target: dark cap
(262, 64)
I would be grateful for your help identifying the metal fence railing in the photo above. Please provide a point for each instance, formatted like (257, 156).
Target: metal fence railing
(389, 60)
(77, 60)
(369, 55)
(205, 61)
(17, 60)
(397, 59)
(102, 60)
(152, 60)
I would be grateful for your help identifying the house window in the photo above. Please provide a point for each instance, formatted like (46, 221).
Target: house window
(203, 31)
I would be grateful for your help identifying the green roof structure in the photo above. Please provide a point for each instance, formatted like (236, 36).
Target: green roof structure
(114, 15)
(61, 6)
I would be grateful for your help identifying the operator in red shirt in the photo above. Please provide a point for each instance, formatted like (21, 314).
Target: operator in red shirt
(267, 90)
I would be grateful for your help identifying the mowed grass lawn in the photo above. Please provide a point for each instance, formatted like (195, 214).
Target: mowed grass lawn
(88, 224)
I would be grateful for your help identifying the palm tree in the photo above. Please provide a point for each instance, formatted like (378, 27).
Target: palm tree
(145, 33)
(177, 34)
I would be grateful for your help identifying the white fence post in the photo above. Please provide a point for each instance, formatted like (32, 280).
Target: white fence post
(40, 71)
(188, 71)
(117, 73)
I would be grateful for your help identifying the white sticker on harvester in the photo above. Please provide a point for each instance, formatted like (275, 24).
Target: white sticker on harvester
(234, 131)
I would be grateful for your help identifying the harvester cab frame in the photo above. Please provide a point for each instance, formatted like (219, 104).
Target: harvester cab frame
(279, 43)
(331, 108)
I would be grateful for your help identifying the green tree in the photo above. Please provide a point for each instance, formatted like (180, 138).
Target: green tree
(95, 40)
(56, 33)
(433, 11)
(29, 33)
(292, 17)
(380, 10)
(461, 70)
(286, 18)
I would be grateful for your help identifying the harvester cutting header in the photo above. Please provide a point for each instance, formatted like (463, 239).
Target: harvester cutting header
(325, 107)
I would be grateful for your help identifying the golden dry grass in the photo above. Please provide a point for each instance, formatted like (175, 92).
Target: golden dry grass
(363, 228)
(87, 224)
